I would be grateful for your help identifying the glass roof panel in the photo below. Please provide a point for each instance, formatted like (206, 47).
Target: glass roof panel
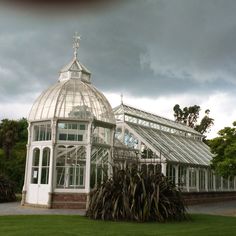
(175, 148)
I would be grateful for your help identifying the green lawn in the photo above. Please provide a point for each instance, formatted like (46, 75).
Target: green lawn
(200, 225)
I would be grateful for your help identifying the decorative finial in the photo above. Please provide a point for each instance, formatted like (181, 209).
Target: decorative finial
(121, 98)
(76, 41)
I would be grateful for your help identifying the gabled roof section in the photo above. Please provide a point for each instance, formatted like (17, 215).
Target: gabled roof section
(153, 118)
(173, 147)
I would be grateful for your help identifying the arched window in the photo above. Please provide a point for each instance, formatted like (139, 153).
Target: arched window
(45, 166)
(35, 166)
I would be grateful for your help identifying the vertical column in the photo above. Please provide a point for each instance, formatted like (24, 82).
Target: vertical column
(110, 156)
(52, 162)
(214, 182)
(88, 160)
(27, 167)
(228, 183)
(123, 133)
(177, 175)
(163, 168)
(187, 178)
(206, 180)
(197, 179)
(221, 183)
(51, 175)
(234, 182)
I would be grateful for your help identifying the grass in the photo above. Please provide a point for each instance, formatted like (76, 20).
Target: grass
(200, 225)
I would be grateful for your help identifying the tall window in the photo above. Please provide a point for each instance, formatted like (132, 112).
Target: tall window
(35, 166)
(45, 166)
(202, 179)
(102, 135)
(210, 180)
(72, 131)
(231, 182)
(70, 167)
(225, 184)
(192, 178)
(182, 176)
(42, 132)
(99, 165)
(170, 172)
(218, 182)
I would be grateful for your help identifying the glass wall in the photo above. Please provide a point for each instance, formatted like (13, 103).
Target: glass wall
(182, 176)
(35, 166)
(231, 182)
(192, 178)
(130, 140)
(225, 184)
(42, 132)
(202, 180)
(218, 182)
(45, 166)
(102, 135)
(99, 165)
(210, 180)
(170, 172)
(70, 167)
(73, 131)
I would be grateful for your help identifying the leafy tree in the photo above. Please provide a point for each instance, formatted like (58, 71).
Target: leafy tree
(8, 135)
(13, 139)
(189, 116)
(224, 148)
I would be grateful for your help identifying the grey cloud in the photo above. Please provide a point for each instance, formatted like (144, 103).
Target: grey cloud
(147, 48)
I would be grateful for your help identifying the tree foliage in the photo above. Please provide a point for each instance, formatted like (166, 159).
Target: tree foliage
(13, 139)
(190, 115)
(7, 190)
(224, 148)
(133, 195)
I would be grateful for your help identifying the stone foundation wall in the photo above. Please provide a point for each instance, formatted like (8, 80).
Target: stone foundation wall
(206, 197)
(79, 200)
(69, 200)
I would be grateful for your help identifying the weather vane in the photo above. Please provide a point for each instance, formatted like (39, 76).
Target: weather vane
(76, 41)
(121, 98)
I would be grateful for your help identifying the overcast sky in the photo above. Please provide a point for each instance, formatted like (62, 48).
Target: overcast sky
(156, 52)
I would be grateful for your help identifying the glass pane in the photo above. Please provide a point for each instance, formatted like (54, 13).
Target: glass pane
(42, 132)
(72, 137)
(82, 127)
(60, 171)
(34, 175)
(46, 157)
(36, 133)
(44, 175)
(48, 134)
(62, 136)
(36, 154)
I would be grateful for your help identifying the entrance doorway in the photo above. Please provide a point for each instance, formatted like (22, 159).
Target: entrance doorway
(39, 184)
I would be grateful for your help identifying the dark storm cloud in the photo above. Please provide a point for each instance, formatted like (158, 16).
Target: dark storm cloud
(143, 47)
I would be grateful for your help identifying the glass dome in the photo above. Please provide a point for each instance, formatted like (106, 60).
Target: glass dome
(73, 97)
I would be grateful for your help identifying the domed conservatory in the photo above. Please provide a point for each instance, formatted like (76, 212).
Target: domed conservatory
(75, 136)
(71, 129)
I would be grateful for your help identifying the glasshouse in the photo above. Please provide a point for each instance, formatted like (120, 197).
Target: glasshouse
(75, 137)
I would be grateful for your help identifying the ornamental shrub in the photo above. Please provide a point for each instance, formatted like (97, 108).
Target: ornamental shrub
(136, 196)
